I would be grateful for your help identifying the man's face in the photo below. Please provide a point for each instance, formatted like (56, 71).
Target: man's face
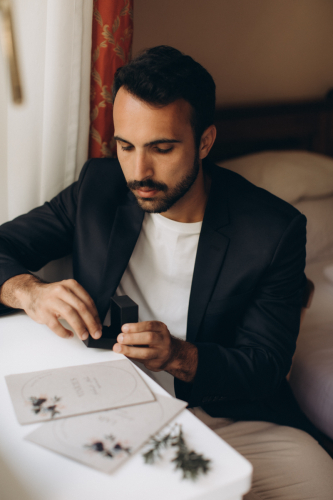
(156, 150)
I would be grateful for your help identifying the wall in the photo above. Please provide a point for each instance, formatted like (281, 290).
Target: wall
(256, 50)
(3, 136)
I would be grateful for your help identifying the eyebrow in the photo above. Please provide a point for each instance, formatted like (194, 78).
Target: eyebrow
(152, 143)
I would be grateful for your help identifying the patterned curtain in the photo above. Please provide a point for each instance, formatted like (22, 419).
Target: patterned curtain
(112, 35)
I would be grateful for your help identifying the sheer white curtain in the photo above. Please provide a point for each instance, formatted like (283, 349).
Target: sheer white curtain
(44, 142)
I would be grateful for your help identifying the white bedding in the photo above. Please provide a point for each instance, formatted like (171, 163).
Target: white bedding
(306, 180)
(312, 373)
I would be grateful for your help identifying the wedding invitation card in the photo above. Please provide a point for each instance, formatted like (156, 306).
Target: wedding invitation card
(107, 439)
(63, 392)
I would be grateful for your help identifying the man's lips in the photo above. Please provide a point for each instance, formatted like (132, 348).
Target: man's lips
(146, 192)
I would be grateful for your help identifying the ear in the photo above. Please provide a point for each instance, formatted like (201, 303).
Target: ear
(207, 140)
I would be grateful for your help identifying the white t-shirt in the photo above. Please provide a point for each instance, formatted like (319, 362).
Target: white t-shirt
(159, 276)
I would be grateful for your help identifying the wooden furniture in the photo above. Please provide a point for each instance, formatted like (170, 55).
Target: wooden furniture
(306, 125)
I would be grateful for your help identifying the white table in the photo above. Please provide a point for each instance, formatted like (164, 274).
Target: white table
(30, 472)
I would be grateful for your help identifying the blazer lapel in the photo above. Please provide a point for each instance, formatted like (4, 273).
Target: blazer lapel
(211, 251)
(124, 235)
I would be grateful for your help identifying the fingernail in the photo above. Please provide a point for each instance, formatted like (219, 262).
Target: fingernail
(84, 336)
(125, 328)
(120, 338)
(97, 334)
(117, 348)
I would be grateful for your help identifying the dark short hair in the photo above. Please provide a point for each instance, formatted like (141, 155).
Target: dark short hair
(161, 75)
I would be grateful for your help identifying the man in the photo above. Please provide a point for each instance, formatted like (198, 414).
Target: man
(215, 264)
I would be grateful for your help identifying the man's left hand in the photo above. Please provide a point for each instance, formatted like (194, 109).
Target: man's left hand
(149, 342)
(159, 351)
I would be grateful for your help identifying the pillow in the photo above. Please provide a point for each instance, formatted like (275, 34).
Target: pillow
(311, 377)
(290, 175)
(319, 214)
(328, 273)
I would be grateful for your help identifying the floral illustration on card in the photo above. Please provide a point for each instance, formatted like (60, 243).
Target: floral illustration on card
(44, 406)
(108, 448)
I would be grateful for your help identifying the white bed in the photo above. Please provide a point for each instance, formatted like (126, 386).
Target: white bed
(306, 181)
(311, 377)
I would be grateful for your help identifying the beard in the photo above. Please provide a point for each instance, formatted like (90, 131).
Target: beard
(171, 196)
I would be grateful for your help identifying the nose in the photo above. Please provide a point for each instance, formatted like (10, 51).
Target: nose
(143, 166)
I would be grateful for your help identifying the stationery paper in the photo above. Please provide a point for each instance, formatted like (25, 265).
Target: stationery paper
(106, 439)
(64, 392)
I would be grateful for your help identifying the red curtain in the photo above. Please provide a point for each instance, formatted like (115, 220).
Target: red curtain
(112, 36)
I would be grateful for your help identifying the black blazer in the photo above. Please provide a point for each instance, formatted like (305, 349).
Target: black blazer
(248, 280)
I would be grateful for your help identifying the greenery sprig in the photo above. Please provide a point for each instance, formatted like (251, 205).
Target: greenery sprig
(188, 461)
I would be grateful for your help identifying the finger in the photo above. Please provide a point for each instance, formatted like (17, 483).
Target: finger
(135, 352)
(69, 313)
(81, 293)
(91, 321)
(85, 297)
(58, 329)
(145, 338)
(143, 326)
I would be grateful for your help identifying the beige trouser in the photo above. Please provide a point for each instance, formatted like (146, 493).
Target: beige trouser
(288, 464)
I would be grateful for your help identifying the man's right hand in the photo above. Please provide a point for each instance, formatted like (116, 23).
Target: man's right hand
(46, 303)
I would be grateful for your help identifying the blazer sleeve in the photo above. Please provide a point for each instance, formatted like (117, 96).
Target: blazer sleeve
(46, 233)
(265, 338)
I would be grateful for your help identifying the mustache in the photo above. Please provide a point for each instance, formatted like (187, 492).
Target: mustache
(147, 183)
